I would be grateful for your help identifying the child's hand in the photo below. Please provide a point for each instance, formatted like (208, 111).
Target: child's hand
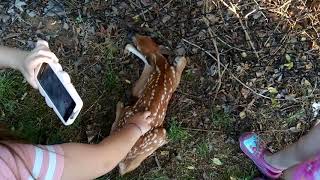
(37, 56)
(142, 121)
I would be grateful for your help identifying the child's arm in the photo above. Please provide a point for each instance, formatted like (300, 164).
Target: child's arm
(89, 161)
(9, 57)
(27, 62)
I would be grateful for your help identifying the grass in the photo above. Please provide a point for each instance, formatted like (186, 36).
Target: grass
(111, 80)
(203, 149)
(221, 119)
(295, 116)
(239, 173)
(11, 87)
(176, 133)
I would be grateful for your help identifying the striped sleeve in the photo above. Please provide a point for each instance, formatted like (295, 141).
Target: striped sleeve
(35, 162)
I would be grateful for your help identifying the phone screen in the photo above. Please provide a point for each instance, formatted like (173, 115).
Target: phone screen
(59, 96)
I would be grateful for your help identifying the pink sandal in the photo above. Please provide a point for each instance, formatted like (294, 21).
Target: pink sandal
(255, 149)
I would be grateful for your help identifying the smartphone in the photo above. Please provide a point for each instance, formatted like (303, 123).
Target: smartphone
(55, 85)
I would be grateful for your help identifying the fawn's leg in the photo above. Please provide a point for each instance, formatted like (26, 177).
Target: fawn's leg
(119, 112)
(140, 84)
(306, 147)
(143, 148)
(180, 64)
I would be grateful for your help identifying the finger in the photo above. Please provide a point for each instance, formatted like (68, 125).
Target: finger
(39, 60)
(32, 82)
(41, 42)
(44, 53)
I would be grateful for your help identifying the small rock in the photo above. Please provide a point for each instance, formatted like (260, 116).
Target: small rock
(115, 10)
(65, 26)
(166, 18)
(308, 66)
(257, 15)
(294, 129)
(269, 68)
(179, 158)
(212, 18)
(199, 3)
(304, 57)
(244, 54)
(31, 13)
(4, 18)
(242, 115)
(181, 51)
(146, 2)
(259, 74)
(18, 4)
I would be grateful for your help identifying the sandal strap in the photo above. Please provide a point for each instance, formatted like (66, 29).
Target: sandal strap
(255, 149)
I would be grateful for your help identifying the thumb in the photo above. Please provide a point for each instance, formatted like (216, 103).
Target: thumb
(32, 82)
(41, 42)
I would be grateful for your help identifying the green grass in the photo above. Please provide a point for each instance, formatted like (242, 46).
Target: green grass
(239, 173)
(221, 119)
(11, 88)
(203, 149)
(176, 133)
(295, 116)
(188, 76)
(111, 80)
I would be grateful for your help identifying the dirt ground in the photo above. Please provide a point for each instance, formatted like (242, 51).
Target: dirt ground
(253, 65)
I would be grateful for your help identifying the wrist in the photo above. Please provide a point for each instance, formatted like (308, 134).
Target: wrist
(135, 127)
(17, 62)
(17, 58)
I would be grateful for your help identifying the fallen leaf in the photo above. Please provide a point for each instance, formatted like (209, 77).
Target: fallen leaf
(289, 65)
(164, 153)
(190, 167)
(216, 161)
(288, 57)
(272, 90)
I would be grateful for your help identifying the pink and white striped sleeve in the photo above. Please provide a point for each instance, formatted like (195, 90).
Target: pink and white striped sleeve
(28, 162)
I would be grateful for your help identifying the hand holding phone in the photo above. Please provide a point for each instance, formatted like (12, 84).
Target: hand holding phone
(55, 85)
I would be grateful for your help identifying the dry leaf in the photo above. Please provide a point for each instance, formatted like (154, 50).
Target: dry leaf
(216, 161)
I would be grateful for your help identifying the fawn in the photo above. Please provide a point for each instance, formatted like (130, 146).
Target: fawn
(153, 91)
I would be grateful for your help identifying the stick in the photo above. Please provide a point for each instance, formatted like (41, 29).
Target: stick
(233, 9)
(232, 75)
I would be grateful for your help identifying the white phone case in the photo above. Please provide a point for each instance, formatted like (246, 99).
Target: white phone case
(65, 80)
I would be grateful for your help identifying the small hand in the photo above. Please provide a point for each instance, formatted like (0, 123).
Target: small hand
(142, 121)
(40, 54)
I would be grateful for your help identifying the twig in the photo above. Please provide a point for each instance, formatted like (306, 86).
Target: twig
(274, 130)
(248, 38)
(201, 130)
(149, 9)
(231, 74)
(157, 161)
(217, 56)
(95, 102)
